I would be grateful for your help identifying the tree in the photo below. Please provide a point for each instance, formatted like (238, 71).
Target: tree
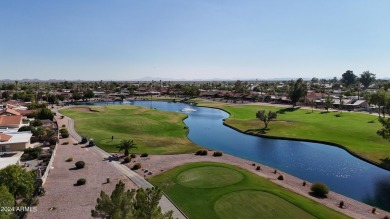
(385, 131)
(328, 102)
(88, 94)
(19, 182)
(44, 113)
(297, 91)
(76, 96)
(348, 78)
(126, 145)
(5, 95)
(266, 118)
(142, 204)
(6, 200)
(367, 78)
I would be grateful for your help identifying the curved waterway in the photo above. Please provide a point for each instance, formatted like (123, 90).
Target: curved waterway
(342, 172)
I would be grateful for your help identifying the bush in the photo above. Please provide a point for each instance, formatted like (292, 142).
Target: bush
(280, 177)
(304, 183)
(144, 155)
(81, 181)
(319, 189)
(133, 155)
(127, 159)
(341, 204)
(64, 134)
(80, 164)
(65, 143)
(63, 130)
(373, 210)
(258, 168)
(201, 152)
(63, 126)
(69, 159)
(36, 123)
(217, 154)
(136, 166)
(33, 152)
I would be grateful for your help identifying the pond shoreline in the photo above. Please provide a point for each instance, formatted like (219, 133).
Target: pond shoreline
(300, 139)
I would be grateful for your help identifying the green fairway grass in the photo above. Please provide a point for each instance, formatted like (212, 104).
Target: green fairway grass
(354, 131)
(245, 195)
(154, 132)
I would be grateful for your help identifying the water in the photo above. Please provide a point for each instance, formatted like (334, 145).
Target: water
(342, 172)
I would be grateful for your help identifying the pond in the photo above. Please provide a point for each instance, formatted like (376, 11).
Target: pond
(313, 162)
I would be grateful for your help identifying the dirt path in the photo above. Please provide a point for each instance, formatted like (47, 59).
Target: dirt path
(156, 164)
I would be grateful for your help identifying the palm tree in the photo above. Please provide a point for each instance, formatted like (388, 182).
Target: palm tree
(126, 145)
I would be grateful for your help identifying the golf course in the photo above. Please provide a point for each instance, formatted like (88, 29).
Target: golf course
(216, 190)
(353, 131)
(154, 131)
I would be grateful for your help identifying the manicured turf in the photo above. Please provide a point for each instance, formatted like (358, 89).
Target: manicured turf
(209, 177)
(248, 197)
(355, 131)
(154, 132)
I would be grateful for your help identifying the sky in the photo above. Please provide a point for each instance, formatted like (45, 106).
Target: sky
(193, 39)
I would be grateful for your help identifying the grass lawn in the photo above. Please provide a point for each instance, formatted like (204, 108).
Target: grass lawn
(154, 132)
(216, 190)
(355, 131)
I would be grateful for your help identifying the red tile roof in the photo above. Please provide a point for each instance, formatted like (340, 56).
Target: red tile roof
(4, 137)
(10, 120)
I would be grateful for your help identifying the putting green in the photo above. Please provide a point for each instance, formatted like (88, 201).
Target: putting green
(209, 177)
(256, 204)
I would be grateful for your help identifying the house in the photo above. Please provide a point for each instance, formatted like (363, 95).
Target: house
(9, 112)
(13, 121)
(14, 141)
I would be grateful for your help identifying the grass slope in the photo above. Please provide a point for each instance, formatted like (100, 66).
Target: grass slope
(154, 132)
(355, 131)
(246, 196)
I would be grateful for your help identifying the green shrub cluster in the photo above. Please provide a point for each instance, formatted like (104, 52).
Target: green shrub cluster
(32, 153)
(280, 177)
(81, 181)
(127, 159)
(137, 166)
(69, 159)
(133, 155)
(144, 155)
(201, 152)
(319, 189)
(80, 164)
(64, 133)
(217, 154)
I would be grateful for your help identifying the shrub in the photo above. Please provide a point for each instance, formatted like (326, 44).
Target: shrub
(80, 164)
(304, 183)
(65, 143)
(133, 155)
(201, 152)
(253, 164)
(136, 166)
(258, 168)
(217, 154)
(127, 159)
(144, 155)
(275, 171)
(62, 130)
(81, 181)
(280, 177)
(341, 204)
(33, 152)
(373, 210)
(69, 159)
(36, 123)
(63, 125)
(64, 134)
(319, 189)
